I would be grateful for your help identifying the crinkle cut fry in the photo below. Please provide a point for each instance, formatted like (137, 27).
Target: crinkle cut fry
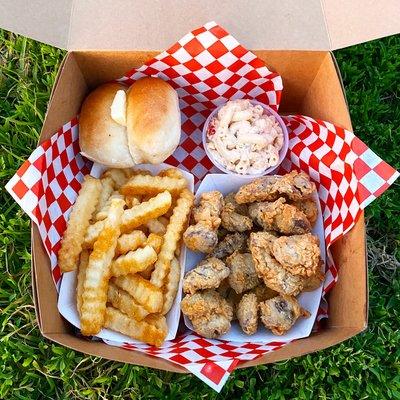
(151, 185)
(82, 210)
(95, 286)
(144, 292)
(175, 228)
(134, 261)
(130, 241)
(139, 330)
(171, 288)
(123, 301)
(80, 278)
(140, 214)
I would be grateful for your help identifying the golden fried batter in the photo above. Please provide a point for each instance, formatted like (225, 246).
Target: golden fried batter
(298, 254)
(280, 313)
(243, 275)
(247, 313)
(273, 274)
(294, 186)
(263, 292)
(209, 209)
(209, 313)
(279, 216)
(201, 237)
(230, 243)
(309, 208)
(207, 275)
(233, 215)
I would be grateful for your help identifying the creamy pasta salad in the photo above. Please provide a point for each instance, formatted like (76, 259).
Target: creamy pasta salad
(243, 139)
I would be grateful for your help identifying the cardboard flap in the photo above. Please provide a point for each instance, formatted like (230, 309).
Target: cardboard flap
(43, 20)
(355, 21)
(157, 24)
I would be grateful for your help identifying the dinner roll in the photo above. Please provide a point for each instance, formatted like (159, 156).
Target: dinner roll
(102, 139)
(153, 119)
(150, 111)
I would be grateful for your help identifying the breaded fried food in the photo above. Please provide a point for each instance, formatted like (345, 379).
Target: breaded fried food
(208, 274)
(201, 237)
(230, 243)
(233, 215)
(98, 272)
(269, 270)
(82, 211)
(152, 185)
(243, 275)
(309, 208)
(314, 281)
(209, 313)
(263, 292)
(176, 226)
(293, 186)
(280, 313)
(147, 330)
(280, 216)
(209, 209)
(298, 254)
(247, 313)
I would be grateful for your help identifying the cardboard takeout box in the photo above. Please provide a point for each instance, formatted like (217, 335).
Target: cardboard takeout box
(100, 36)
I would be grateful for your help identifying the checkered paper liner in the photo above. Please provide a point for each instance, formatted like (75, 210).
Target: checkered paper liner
(207, 67)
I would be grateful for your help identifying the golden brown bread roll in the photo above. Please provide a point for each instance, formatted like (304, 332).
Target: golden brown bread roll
(152, 118)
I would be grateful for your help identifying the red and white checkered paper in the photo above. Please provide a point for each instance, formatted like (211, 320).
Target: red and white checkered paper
(207, 67)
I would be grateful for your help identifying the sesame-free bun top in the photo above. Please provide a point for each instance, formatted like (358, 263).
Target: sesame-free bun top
(152, 119)
(101, 139)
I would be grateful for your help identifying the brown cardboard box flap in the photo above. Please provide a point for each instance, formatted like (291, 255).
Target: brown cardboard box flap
(156, 24)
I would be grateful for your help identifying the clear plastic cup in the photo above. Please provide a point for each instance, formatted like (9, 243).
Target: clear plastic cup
(282, 151)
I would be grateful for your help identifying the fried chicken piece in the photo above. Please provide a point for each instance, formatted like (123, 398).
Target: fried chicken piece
(243, 275)
(273, 274)
(294, 186)
(279, 216)
(280, 313)
(201, 237)
(230, 243)
(298, 254)
(233, 215)
(209, 313)
(209, 209)
(263, 292)
(247, 313)
(208, 274)
(224, 288)
(309, 208)
(314, 281)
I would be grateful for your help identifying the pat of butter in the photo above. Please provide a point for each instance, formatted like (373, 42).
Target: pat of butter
(118, 108)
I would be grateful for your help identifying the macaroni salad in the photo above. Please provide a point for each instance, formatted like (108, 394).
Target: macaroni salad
(243, 139)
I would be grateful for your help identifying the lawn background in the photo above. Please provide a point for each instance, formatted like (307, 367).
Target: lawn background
(367, 366)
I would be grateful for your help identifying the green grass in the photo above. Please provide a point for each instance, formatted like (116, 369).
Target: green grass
(367, 366)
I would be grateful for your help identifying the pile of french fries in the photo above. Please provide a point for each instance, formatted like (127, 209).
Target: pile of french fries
(123, 238)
